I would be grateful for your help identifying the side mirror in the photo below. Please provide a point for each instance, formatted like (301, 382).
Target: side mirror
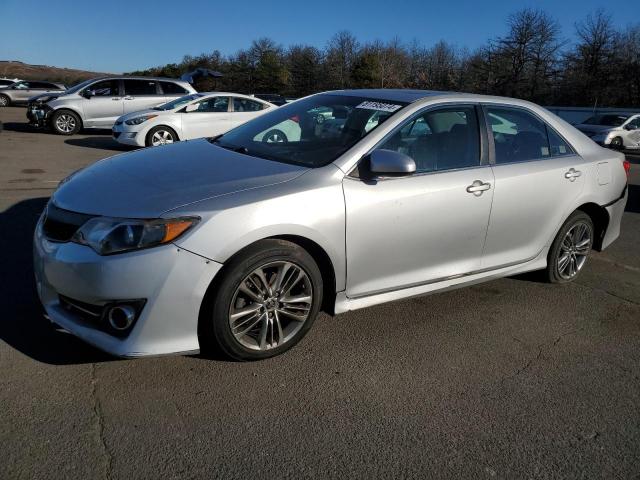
(86, 93)
(391, 163)
(192, 107)
(630, 127)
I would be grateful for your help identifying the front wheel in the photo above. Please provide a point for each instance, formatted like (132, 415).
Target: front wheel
(160, 135)
(617, 143)
(266, 302)
(65, 122)
(570, 249)
(4, 101)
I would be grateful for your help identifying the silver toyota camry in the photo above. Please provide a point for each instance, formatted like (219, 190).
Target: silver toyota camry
(237, 242)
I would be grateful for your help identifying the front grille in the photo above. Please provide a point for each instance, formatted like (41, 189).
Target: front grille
(116, 134)
(60, 225)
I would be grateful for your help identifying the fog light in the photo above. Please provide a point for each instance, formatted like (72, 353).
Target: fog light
(121, 317)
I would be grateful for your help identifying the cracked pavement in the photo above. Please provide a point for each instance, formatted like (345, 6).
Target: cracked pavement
(508, 379)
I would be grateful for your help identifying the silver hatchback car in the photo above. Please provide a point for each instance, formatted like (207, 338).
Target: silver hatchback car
(236, 242)
(98, 103)
(19, 93)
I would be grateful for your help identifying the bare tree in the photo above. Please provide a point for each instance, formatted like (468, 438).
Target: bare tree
(341, 53)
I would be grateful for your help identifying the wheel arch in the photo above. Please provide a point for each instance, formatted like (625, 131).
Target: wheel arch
(67, 109)
(600, 218)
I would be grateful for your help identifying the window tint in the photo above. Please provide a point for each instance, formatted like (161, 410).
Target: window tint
(245, 105)
(41, 85)
(171, 88)
(105, 88)
(215, 104)
(441, 139)
(6, 82)
(140, 87)
(557, 145)
(518, 135)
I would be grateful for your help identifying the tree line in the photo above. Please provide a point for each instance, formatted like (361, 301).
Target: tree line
(533, 61)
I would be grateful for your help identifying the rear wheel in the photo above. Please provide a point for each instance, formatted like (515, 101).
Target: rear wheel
(265, 303)
(4, 101)
(66, 122)
(570, 249)
(275, 136)
(160, 135)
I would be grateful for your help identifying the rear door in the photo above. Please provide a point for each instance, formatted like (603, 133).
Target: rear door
(104, 105)
(538, 177)
(245, 109)
(210, 119)
(428, 226)
(141, 94)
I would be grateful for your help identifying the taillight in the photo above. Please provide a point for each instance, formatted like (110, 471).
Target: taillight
(627, 168)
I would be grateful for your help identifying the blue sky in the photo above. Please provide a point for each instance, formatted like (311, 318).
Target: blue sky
(117, 36)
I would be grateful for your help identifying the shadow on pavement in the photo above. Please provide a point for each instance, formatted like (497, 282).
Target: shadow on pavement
(25, 128)
(102, 143)
(22, 324)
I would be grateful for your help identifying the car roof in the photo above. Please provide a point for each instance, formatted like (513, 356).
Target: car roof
(135, 77)
(411, 96)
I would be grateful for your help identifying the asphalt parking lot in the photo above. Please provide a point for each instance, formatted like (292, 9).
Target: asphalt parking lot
(510, 379)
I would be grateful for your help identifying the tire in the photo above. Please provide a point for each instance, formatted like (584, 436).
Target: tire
(275, 136)
(5, 101)
(570, 249)
(617, 143)
(251, 327)
(161, 135)
(65, 122)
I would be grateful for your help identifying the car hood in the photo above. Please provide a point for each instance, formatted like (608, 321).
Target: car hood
(593, 129)
(138, 113)
(148, 182)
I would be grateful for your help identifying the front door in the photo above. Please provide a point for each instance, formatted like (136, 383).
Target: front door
(210, 119)
(426, 227)
(103, 105)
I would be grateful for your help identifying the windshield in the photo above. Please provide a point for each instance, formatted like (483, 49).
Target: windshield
(79, 86)
(312, 132)
(178, 102)
(607, 120)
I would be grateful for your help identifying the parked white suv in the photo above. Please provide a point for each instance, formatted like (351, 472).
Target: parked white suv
(97, 103)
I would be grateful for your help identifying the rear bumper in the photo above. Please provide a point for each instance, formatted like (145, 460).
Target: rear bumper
(171, 281)
(615, 211)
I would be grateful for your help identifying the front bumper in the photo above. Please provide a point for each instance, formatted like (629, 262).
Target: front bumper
(173, 282)
(38, 114)
(126, 135)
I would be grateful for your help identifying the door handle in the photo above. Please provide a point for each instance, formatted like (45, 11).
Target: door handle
(115, 99)
(572, 174)
(477, 187)
(128, 97)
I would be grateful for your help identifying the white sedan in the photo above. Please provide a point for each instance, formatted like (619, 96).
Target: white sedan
(192, 116)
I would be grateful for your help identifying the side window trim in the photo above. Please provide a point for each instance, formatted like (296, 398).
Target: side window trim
(482, 133)
(491, 144)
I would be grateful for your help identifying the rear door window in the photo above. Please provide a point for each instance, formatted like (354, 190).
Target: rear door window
(518, 135)
(246, 105)
(170, 88)
(140, 87)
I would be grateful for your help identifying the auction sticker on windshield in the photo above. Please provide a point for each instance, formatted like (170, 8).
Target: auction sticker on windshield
(382, 107)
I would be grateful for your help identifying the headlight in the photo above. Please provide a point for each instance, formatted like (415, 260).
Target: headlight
(139, 120)
(115, 235)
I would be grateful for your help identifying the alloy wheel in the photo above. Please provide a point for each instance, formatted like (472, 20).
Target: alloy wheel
(3, 101)
(161, 137)
(65, 123)
(270, 305)
(574, 250)
(275, 136)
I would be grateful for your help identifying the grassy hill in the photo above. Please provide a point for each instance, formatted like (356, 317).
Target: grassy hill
(25, 71)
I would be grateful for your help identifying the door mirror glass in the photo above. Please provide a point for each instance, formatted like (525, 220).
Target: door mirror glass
(630, 127)
(389, 162)
(192, 107)
(86, 93)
